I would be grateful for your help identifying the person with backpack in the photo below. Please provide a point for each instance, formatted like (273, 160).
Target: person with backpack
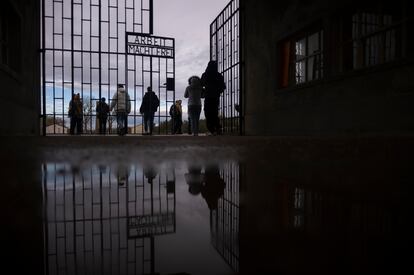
(149, 106)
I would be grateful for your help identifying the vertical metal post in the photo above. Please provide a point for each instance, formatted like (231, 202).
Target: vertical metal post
(232, 113)
(101, 217)
(43, 69)
(126, 81)
(152, 255)
(74, 223)
(72, 51)
(100, 57)
(45, 222)
(151, 7)
(241, 67)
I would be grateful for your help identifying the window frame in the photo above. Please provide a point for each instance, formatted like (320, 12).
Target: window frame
(287, 73)
(348, 61)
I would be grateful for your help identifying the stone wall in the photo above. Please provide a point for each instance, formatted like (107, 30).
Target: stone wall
(372, 100)
(20, 84)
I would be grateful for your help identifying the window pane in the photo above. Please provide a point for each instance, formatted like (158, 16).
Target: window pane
(313, 44)
(300, 72)
(300, 49)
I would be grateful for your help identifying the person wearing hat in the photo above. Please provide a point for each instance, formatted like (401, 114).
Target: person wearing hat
(102, 112)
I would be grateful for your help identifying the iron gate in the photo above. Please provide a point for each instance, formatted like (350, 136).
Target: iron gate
(83, 51)
(105, 218)
(225, 48)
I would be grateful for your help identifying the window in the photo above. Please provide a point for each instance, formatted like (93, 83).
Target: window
(298, 208)
(373, 39)
(10, 37)
(371, 36)
(308, 58)
(301, 59)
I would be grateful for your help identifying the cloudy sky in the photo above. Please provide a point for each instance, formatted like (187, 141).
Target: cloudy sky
(188, 21)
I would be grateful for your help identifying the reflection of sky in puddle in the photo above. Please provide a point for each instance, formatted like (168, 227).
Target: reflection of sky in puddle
(298, 209)
(142, 217)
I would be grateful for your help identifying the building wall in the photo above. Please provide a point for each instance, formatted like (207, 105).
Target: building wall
(20, 82)
(373, 100)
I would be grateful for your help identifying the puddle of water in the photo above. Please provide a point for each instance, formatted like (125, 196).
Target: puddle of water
(208, 211)
(141, 218)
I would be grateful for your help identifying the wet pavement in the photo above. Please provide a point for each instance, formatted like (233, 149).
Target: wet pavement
(212, 205)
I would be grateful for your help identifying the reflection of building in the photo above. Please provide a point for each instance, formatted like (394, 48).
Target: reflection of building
(94, 225)
(224, 221)
(320, 221)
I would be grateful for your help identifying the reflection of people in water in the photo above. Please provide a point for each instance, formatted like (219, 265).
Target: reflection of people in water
(214, 185)
(194, 179)
(122, 174)
(150, 173)
(210, 184)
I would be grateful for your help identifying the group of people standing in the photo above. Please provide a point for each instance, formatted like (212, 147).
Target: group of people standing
(121, 105)
(210, 86)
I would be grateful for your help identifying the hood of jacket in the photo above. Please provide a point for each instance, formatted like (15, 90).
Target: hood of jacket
(195, 82)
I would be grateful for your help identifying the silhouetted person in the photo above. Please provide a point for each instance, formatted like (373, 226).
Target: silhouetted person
(102, 112)
(194, 93)
(189, 130)
(176, 113)
(121, 103)
(149, 106)
(213, 188)
(214, 85)
(194, 179)
(76, 115)
(150, 173)
(237, 107)
(122, 174)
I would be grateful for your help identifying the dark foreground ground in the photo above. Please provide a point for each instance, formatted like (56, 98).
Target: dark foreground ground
(207, 205)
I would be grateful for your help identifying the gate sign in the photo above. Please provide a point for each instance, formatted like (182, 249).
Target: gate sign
(152, 46)
(151, 225)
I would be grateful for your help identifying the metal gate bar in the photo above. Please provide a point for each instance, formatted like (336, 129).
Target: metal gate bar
(225, 48)
(90, 214)
(83, 52)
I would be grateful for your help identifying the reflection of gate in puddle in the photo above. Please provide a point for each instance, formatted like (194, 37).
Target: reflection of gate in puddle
(225, 220)
(104, 219)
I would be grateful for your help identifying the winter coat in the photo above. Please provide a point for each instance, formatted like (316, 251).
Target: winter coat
(75, 109)
(121, 101)
(176, 111)
(102, 110)
(194, 92)
(214, 85)
(150, 103)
